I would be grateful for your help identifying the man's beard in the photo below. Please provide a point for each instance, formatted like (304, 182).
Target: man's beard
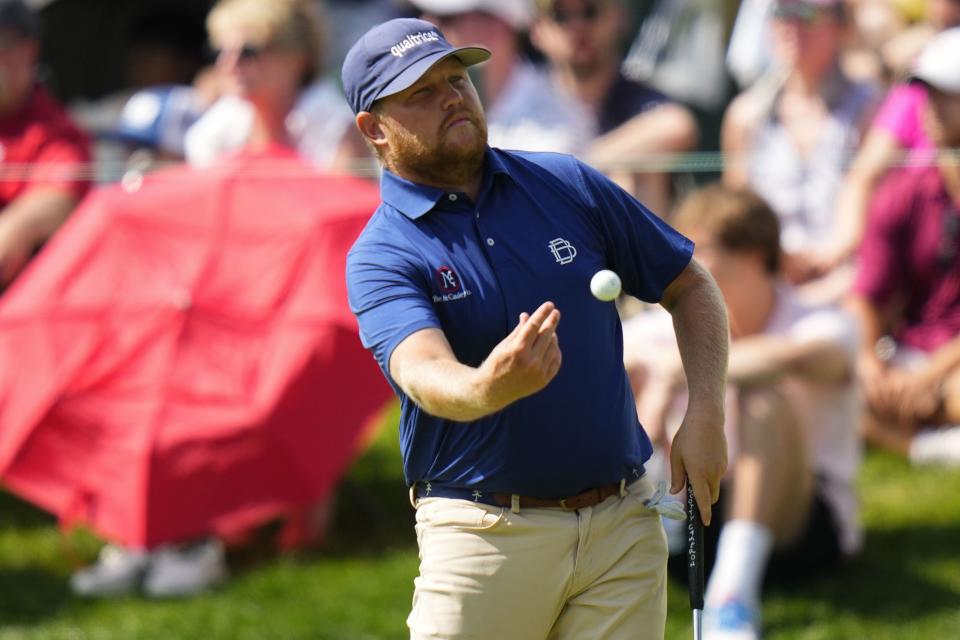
(442, 165)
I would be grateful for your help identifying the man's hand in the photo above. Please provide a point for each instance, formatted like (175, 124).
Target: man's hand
(874, 380)
(427, 370)
(800, 267)
(699, 455)
(915, 396)
(526, 360)
(699, 449)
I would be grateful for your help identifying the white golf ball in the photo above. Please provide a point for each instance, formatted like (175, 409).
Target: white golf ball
(605, 285)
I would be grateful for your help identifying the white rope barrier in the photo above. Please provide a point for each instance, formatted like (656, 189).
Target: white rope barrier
(693, 162)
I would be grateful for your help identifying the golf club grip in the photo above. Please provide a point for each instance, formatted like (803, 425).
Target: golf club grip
(694, 551)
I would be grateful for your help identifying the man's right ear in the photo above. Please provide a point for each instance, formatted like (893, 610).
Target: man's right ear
(370, 127)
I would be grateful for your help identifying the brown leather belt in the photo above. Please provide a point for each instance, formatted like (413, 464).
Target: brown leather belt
(582, 500)
(587, 498)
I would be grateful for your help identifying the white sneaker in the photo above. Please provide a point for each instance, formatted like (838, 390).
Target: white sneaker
(185, 570)
(118, 571)
(936, 446)
(733, 620)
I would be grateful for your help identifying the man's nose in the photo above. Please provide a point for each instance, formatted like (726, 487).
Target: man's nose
(227, 59)
(452, 96)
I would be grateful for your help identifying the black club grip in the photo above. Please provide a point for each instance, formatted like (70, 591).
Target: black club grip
(694, 551)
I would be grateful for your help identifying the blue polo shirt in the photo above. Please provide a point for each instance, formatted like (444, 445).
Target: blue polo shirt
(542, 226)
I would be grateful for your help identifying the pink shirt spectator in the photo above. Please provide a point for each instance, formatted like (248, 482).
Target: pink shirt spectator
(900, 116)
(910, 256)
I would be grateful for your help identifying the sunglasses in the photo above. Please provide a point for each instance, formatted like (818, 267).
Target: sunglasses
(802, 12)
(244, 53)
(589, 14)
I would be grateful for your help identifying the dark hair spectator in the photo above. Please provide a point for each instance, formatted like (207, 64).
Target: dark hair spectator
(582, 41)
(788, 507)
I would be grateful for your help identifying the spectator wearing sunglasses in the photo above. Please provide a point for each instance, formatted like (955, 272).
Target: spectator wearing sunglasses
(269, 56)
(266, 54)
(525, 111)
(583, 42)
(907, 290)
(791, 135)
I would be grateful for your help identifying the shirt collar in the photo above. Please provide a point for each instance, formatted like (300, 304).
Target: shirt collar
(414, 200)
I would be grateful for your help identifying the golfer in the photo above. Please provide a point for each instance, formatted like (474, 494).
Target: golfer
(520, 440)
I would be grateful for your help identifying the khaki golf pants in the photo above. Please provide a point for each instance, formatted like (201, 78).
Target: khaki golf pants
(540, 574)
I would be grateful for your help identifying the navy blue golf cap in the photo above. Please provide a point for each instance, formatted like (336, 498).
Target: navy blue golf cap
(392, 56)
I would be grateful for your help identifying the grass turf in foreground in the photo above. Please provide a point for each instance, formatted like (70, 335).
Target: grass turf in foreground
(906, 584)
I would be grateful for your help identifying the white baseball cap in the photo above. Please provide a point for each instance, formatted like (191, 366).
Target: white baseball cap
(517, 13)
(939, 63)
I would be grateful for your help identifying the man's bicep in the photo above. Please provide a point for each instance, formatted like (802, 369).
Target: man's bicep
(420, 346)
(388, 300)
(689, 278)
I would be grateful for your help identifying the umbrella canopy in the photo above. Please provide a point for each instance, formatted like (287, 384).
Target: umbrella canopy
(181, 360)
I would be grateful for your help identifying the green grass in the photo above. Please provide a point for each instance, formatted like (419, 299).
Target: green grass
(906, 584)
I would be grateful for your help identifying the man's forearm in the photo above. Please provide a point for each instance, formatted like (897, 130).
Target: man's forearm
(764, 359)
(40, 212)
(524, 362)
(447, 389)
(700, 323)
(666, 129)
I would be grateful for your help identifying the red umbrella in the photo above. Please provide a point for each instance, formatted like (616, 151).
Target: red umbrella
(181, 360)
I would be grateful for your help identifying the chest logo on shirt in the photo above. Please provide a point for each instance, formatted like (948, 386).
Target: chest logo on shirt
(448, 279)
(451, 287)
(563, 252)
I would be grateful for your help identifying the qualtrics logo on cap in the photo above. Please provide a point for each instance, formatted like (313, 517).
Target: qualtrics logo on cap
(413, 40)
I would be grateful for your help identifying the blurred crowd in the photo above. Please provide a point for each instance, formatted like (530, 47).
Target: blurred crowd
(809, 147)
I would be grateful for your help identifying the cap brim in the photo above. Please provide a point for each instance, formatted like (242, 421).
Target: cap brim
(937, 64)
(947, 84)
(469, 56)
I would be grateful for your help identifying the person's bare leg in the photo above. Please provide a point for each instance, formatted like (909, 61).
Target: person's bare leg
(769, 498)
(885, 435)
(771, 479)
(950, 411)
